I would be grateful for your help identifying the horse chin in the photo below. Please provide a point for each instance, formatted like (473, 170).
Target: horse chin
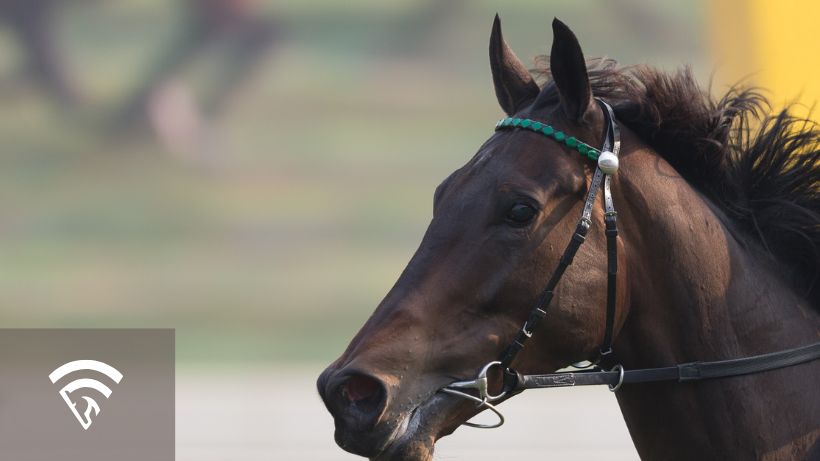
(415, 438)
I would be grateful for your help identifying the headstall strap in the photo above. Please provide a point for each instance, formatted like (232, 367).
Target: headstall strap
(611, 146)
(514, 382)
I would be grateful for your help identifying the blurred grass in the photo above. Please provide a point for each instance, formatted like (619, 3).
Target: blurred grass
(310, 195)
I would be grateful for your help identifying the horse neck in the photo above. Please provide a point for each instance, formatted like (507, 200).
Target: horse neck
(696, 292)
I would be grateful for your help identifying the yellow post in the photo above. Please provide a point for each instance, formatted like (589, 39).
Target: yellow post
(772, 43)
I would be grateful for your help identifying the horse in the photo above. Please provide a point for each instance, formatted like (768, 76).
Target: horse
(237, 30)
(717, 254)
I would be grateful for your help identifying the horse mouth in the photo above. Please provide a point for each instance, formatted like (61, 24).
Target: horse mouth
(415, 437)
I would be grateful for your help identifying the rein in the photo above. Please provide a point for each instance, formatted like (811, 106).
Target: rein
(514, 382)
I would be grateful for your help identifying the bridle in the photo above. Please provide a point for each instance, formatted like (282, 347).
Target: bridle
(591, 373)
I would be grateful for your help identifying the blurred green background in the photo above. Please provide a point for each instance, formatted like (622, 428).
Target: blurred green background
(270, 230)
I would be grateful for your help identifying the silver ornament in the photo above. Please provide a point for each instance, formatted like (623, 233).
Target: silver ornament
(608, 162)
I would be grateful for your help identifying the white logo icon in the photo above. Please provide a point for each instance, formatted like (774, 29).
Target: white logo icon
(85, 383)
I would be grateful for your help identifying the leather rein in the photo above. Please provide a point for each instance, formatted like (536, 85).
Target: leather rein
(514, 382)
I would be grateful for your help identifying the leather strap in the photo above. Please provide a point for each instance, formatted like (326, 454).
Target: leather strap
(612, 143)
(684, 372)
(540, 310)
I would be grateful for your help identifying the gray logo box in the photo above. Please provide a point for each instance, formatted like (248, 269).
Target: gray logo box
(136, 422)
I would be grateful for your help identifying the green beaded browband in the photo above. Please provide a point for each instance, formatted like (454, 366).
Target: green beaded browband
(584, 149)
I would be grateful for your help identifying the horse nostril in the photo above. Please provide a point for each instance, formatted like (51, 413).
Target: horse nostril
(357, 399)
(360, 388)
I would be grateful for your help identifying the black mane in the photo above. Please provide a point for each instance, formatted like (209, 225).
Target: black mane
(761, 169)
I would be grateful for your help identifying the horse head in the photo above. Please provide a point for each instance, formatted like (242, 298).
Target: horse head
(500, 224)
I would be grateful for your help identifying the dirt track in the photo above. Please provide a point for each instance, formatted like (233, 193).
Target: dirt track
(249, 415)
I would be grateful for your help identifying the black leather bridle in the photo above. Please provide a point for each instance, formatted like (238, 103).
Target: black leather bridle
(514, 382)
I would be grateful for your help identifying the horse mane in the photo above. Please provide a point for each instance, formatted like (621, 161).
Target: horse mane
(760, 168)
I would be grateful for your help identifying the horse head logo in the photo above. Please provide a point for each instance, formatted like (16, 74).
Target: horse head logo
(92, 408)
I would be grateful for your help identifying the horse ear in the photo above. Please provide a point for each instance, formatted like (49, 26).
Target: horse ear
(569, 71)
(514, 85)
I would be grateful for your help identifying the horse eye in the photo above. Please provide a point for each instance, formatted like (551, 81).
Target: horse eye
(521, 213)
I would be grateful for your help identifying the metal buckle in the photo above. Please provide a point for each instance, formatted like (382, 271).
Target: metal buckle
(484, 398)
(620, 378)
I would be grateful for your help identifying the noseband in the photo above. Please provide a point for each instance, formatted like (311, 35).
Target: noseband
(590, 374)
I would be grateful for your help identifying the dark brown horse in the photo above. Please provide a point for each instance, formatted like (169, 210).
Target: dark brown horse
(719, 217)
